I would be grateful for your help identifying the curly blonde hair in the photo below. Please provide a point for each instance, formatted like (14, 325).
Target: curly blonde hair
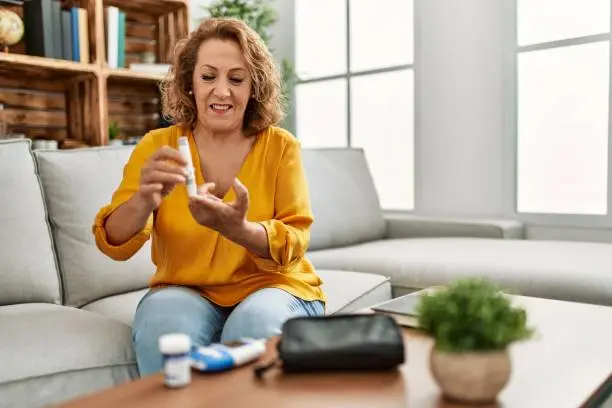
(265, 107)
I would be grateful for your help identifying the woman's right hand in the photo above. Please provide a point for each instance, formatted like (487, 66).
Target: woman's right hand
(159, 175)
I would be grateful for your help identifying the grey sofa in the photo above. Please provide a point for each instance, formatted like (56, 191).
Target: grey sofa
(352, 234)
(66, 310)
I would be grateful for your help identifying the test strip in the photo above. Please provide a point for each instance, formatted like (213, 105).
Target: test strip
(185, 152)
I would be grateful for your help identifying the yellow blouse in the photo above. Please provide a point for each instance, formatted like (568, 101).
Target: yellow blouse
(188, 254)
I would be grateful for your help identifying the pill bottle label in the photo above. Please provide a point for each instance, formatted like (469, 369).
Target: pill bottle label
(177, 370)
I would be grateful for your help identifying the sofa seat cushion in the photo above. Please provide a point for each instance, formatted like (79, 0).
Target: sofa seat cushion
(575, 271)
(346, 291)
(119, 307)
(51, 353)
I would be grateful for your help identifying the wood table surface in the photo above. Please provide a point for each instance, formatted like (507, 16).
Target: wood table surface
(568, 365)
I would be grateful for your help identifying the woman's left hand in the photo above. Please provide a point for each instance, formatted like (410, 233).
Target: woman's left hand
(226, 218)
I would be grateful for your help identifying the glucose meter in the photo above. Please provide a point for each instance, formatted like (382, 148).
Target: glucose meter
(225, 356)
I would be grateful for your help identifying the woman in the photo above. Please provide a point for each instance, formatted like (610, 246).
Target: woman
(230, 261)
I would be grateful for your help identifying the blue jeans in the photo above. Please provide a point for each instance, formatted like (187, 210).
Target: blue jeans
(179, 309)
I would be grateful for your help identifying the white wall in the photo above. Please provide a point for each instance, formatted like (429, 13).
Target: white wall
(282, 33)
(459, 120)
(197, 12)
(463, 155)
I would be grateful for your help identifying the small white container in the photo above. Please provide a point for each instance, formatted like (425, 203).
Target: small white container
(39, 144)
(51, 144)
(184, 150)
(176, 354)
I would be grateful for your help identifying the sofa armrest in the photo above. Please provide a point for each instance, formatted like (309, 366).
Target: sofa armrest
(411, 226)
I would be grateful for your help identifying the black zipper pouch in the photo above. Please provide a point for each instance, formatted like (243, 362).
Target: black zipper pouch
(351, 342)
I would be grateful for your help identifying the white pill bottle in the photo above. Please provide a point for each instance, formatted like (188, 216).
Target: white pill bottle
(175, 349)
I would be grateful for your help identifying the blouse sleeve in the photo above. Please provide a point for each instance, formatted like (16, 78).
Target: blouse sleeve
(128, 186)
(289, 231)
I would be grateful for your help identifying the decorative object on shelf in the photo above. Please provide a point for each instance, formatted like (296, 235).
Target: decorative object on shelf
(148, 57)
(3, 122)
(113, 134)
(260, 16)
(44, 144)
(472, 323)
(11, 29)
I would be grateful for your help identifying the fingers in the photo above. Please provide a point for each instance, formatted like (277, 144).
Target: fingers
(156, 176)
(206, 197)
(168, 153)
(161, 168)
(242, 195)
(208, 202)
(168, 167)
(151, 188)
(206, 188)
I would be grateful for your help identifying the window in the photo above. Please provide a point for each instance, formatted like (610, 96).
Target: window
(354, 60)
(562, 107)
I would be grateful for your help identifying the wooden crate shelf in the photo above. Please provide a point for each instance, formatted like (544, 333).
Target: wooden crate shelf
(37, 65)
(134, 112)
(50, 109)
(126, 76)
(75, 102)
(152, 7)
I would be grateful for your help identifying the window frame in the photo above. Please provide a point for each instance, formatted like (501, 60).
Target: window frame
(511, 51)
(349, 74)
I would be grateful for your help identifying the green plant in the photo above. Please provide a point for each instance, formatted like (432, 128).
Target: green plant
(113, 131)
(260, 16)
(472, 315)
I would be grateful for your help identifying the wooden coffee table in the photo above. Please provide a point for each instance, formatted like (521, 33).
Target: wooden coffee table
(568, 365)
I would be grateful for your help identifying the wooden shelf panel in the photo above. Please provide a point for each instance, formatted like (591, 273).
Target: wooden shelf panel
(29, 63)
(136, 111)
(44, 109)
(151, 6)
(122, 74)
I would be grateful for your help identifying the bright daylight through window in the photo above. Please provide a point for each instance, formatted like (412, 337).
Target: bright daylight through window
(563, 94)
(354, 60)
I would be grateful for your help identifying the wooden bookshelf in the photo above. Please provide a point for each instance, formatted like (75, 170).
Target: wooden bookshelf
(35, 64)
(128, 75)
(75, 102)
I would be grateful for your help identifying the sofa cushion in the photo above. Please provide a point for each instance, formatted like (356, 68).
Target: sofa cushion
(68, 352)
(77, 183)
(575, 271)
(343, 198)
(349, 291)
(28, 270)
(118, 307)
(365, 290)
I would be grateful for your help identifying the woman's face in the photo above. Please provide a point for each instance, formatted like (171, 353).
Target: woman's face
(221, 85)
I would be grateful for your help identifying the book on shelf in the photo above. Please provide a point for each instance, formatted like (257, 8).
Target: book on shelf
(115, 37)
(54, 31)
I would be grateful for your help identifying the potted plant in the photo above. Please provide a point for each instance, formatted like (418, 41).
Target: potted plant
(113, 134)
(472, 324)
